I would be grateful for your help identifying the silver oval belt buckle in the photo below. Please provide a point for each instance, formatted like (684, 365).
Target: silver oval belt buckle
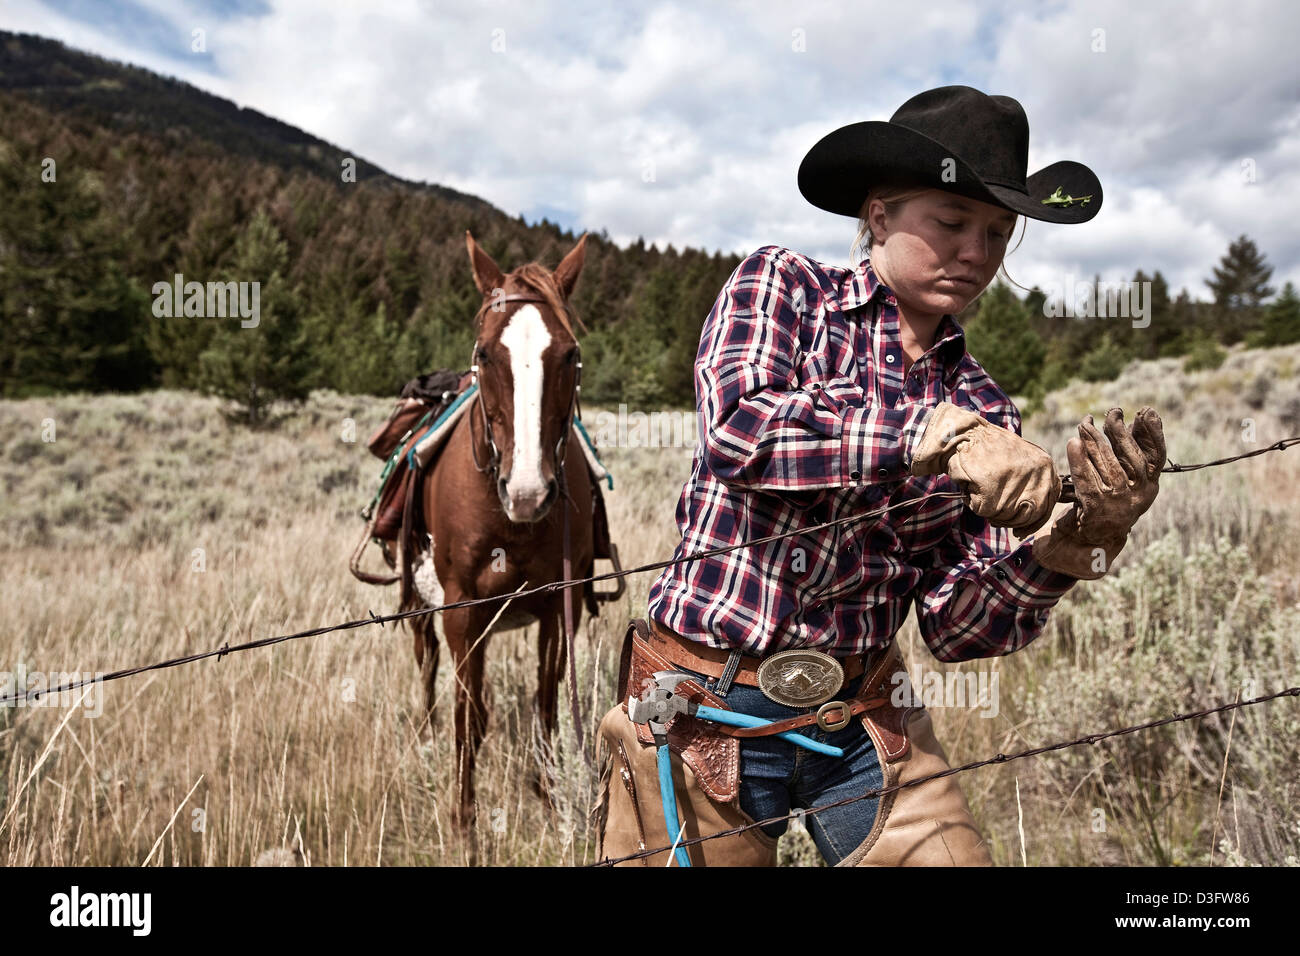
(800, 678)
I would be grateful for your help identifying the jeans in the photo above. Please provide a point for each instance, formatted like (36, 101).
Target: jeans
(777, 776)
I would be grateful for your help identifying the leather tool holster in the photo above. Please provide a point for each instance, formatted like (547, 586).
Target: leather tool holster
(928, 824)
(706, 776)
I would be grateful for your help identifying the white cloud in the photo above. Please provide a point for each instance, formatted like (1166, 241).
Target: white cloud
(543, 105)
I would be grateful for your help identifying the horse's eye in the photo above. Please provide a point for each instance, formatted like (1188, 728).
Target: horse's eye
(481, 356)
(573, 356)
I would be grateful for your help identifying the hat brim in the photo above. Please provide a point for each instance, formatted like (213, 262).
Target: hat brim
(837, 172)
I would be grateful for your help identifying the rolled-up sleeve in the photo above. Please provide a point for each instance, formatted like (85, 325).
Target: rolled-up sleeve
(762, 431)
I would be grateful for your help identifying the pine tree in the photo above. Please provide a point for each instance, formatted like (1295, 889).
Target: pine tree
(1106, 360)
(1035, 301)
(662, 362)
(1059, 368)
(70, 319)
(1281, 322)
(1182, 329)
(255, 366)
(176, 341)
(1239, 286)
(1162, 329)
(1000, 338)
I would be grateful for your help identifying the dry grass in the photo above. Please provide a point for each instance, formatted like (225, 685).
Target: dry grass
(310, 748)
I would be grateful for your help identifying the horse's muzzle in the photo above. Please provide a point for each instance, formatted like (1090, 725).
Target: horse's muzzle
(528, 505)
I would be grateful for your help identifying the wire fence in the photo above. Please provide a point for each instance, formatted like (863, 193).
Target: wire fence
(1000, 758)
(382, 619)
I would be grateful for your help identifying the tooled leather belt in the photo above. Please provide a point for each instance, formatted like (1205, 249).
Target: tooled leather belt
(831, 715)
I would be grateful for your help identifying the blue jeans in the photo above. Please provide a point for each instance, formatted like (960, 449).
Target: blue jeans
(777, 776)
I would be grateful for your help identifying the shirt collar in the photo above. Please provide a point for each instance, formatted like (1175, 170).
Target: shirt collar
(860, 286)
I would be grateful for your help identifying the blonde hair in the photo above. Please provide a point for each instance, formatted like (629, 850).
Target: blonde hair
(895, 195)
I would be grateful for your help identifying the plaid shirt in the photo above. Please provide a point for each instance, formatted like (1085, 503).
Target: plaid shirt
(806, 416)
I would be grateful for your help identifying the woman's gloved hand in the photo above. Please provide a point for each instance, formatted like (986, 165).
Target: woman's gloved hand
(1114, 485)
(1006, 479)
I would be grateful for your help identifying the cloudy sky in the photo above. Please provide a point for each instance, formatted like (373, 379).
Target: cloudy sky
(686, 122)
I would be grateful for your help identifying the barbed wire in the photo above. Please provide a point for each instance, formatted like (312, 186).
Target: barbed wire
(1280, 445)
(382, 619)
(654, 566)
(1170, 467)
(1000, 758)
(1067, 481)
(227, 648)
(1174, 468)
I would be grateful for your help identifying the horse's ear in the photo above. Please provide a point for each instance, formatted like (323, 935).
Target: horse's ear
(566, 273)
(487, 274)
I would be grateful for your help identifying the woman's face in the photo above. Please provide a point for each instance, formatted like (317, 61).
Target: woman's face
(936, 240)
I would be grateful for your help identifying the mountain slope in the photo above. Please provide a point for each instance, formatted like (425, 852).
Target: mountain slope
(131, 99)
(370, 279)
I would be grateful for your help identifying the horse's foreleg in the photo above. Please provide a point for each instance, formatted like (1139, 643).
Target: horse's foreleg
(427, 652)
(463, 630)
(550, 670)
(550, 675)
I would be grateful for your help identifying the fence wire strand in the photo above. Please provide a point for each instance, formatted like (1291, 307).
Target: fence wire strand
(1000, 758)
(382, 619)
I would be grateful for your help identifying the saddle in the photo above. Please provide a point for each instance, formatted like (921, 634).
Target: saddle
(422, 400)
(408, 442)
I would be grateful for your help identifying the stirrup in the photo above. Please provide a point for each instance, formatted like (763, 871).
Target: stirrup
(604, 597)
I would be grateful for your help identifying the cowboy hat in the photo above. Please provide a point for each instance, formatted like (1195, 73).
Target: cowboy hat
(953, 138)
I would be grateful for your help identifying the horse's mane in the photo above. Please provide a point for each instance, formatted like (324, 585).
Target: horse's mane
(538, 278)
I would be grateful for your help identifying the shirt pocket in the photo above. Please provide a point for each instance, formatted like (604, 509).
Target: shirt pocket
(840, 354)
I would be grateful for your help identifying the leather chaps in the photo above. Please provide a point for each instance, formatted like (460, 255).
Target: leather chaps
(925, 825)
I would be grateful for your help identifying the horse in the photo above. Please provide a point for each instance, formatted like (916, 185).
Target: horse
(498, 498)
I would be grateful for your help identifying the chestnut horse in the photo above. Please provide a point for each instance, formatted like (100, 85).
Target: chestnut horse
(497, 496)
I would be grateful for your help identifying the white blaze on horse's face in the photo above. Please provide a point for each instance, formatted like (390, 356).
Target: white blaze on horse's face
(526, 338)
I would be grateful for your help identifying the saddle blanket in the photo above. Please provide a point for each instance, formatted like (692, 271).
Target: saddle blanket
(426, 446)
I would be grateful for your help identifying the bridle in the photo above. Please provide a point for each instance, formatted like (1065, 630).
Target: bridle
(493, 466)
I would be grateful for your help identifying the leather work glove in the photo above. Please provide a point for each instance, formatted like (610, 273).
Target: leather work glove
(1006, 479)
(1113, 486)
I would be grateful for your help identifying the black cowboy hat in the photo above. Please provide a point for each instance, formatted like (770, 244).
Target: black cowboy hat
(953, 138)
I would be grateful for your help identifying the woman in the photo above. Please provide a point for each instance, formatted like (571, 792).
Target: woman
(824, 393)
